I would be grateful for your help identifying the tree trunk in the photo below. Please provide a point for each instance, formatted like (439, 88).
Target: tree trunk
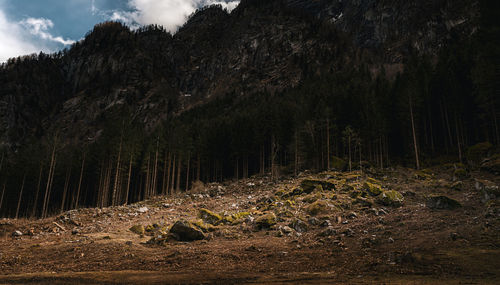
(173, 176)
(65, 189)
(80, 181)
(177, 185)
(198, 167)
(328, 143)
(49, 182)
(20, 197)
(35, 203)
(1, 198)
(458, 139)
(128, 180)
(115, 184)
(414, 135)
(349, 145)
(187, 172)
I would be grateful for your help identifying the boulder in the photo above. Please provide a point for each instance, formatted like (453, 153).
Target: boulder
(185, 231)
(298, 225)
(209, 217)
(476, 153)
(391, 198)
(442, 203)
(310, 184)
(266, 221)
(372, 188)
(491, 164)
(137, 229)
(317, 208)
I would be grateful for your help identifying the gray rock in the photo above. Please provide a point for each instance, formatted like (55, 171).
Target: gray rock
(314, 221)
(299, 225)
(17, 234)
(442, 203)
(330, 231)
(184, 231)
(326, 223)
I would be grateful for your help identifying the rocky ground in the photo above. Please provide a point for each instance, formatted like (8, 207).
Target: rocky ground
(392, 226)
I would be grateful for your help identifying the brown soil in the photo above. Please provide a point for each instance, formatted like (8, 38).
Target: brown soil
(410, 244)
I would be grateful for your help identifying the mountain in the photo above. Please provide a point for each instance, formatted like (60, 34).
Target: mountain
(279, 86)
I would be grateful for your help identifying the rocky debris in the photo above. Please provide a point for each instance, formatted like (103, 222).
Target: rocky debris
(491, 164)
(185, 231)
(458, 185)
(284, 230)
(75, 231)
(317, 208)
(326, 223)
(372, 188)
(299, 225)
(391, 198)
(314, 221)
(266, 221)
(330, 231)
(137, 229)
(442, 203)
(310, 184)
(209, 217)
(352, 215)
(460, 174)
(477, 153)
(17, 234)
(489, 190)
(236, 218)
(143, 210)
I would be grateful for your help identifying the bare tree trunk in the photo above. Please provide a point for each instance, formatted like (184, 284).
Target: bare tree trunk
(177, 185)
(147, 186)
(173, 176)
(381, 153)
(187, 172)
(164, 176)
(65, 190)
(198, 167)
(328, 143)
(414, 135)
(20, 197)
(458, 139)
(80, 181)
(49, 182)
(128, 179)
(115, 185)
(35, 203)
(155, 170)
(169, 174)
(431, 131)
(1, 198)
(349, 145)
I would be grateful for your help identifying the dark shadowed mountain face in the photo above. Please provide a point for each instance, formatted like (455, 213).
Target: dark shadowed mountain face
(273, 87)
(262, 46)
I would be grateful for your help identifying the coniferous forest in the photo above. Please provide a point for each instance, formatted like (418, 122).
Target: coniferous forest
(352, 116)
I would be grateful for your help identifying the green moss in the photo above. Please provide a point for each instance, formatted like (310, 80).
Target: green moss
(202, 226)
(266, 221)
(310, 184)
(476, 153)
(317, 208)
(209, 217)
(137, 229)
(311, 198)
(338, 163)
(423, 174)
(391, 198)
(289, 203)
(235, 218)
(372, 188)
(460, 173)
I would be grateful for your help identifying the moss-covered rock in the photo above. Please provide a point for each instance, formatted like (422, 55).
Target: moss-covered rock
(137, 229)
(310, 184)
(236, 218)
(476, 153)
(391, 198)
(492, 164)
(338, 163)
(460, 173)
(423, 174)
(185, 231)
(299, 225)
(209, 217)
(311, 198)
(266, 221)
(442, 203)
(203, 226)
(317, 208)
(372, 188)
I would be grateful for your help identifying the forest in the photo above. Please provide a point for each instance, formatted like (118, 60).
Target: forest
(438, 109)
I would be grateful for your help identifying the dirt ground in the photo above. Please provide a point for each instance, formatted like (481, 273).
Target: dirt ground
(367, 244)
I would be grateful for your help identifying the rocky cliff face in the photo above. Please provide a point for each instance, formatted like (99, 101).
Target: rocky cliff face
(262, 46)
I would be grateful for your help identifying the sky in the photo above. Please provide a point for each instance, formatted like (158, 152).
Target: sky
(32, 26)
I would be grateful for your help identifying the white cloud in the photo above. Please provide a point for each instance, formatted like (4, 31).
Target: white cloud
(26, 37)
(169, 13)
(12, 40)
(40, 26)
